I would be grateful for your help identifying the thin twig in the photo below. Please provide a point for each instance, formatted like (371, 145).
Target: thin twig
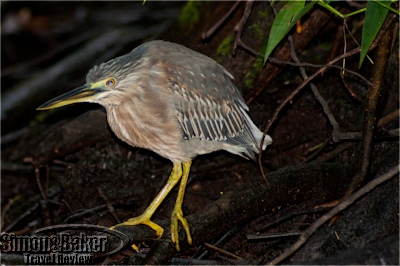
(351, 92)
(248, 49)
(5, 139)
(211, 31)
(336, 152)
(344, 43)
(37, 175)
(269, 236)
(20, 218)
(355, 4)
(82, 214)
(315, 153)
(109, 205)
(239, 27)
(388, 118)
(222, 251)
(335, 125)
(7, 207)
(223, 239)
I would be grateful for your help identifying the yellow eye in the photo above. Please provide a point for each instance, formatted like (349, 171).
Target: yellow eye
(110, 82)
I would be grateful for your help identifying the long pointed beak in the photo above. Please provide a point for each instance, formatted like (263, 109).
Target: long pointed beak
(81, 94)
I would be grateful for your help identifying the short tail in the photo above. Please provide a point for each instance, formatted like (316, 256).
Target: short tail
(247, 144)
(255, 148)
(257, 134)
(267, 140)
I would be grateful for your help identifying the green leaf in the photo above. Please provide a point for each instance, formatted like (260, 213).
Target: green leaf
(287, 17)
(387, 4)
(374, 18)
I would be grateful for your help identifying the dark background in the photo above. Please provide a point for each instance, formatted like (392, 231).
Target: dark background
(48, 47)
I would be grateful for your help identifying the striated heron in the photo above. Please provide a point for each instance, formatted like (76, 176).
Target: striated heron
(174, 101)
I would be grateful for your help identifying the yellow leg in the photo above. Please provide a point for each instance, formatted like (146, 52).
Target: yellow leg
(177, 212)
(173, 179)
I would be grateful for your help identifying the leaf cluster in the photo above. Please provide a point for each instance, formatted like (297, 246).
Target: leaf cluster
(375, 14)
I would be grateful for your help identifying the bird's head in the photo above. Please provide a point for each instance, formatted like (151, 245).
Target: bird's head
(104, 83)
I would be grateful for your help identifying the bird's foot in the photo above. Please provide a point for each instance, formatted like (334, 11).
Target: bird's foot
(143, 219)
(178, 215)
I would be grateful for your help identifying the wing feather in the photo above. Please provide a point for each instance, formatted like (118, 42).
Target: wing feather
(207, 107)
(207, 103)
